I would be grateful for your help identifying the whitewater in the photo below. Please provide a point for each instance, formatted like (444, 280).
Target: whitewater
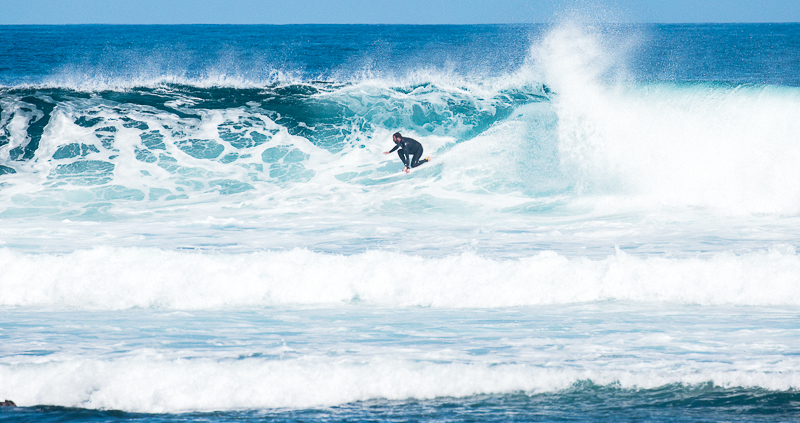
(198, 222)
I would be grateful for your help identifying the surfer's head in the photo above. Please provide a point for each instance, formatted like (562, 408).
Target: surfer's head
(397, 137)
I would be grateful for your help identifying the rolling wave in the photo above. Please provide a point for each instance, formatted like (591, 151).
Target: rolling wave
(114, 279)
(559, 126)
(131, 383)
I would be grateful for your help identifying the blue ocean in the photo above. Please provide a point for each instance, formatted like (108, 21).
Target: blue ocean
(198, 223)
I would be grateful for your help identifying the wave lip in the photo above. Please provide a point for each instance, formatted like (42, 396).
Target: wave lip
(113, 279)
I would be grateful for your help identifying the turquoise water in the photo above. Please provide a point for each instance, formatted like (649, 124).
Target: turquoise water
(198, 223)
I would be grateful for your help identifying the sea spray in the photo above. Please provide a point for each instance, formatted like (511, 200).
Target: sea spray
(724, 146)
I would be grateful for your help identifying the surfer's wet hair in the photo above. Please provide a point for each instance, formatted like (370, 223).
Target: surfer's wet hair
(397, 135)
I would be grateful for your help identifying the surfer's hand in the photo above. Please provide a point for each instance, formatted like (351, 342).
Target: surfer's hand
(385, 152)
(406, 170)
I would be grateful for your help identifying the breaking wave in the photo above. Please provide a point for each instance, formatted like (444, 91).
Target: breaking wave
(557, 126)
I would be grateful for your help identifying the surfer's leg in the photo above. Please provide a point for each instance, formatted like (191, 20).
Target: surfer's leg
(415, 161)
(403, 156)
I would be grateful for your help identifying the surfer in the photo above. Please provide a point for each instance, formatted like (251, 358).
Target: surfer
(410, 150)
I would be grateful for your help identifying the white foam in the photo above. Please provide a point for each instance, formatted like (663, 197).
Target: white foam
(122, 278)
(150, 383)
(730, 148)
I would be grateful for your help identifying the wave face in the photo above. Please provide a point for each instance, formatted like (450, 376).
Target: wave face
(199, 221)
(170, 142)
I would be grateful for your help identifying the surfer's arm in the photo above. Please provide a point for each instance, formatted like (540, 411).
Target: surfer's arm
(396, 146)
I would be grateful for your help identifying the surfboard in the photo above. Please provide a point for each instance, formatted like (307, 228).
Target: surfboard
(401, 173)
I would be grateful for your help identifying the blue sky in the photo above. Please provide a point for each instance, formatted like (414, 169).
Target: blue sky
(384, 11)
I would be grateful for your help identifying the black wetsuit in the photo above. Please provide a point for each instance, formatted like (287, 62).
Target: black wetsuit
(409, 148)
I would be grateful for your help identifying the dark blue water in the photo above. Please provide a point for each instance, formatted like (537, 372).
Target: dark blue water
(584, 402)
(752, 53)
(310, 52)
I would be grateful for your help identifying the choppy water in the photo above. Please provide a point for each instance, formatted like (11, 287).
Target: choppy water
(197, 223)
